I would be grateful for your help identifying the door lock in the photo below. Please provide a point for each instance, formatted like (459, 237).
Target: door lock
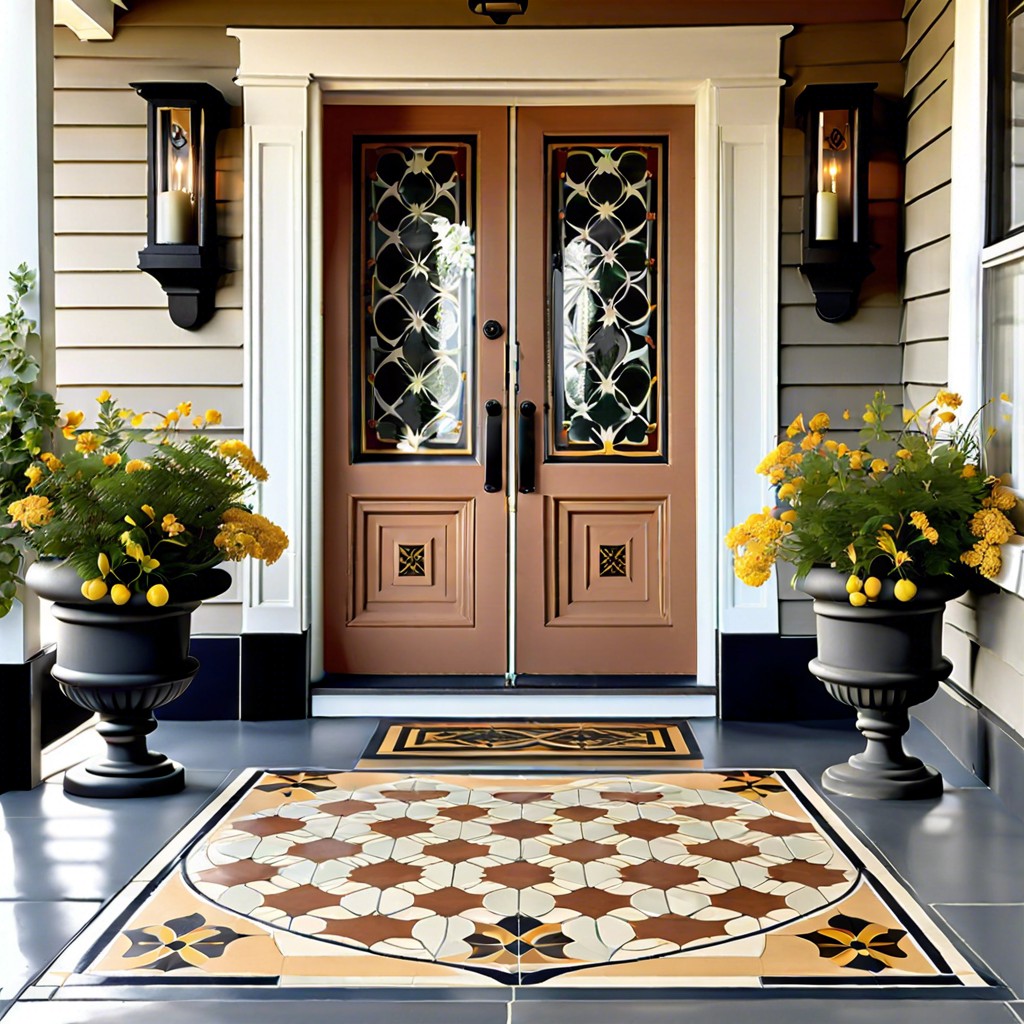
(493, 330)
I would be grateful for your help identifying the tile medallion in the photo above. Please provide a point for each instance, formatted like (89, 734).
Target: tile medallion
(684, 879)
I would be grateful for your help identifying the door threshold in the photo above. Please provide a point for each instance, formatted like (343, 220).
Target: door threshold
(512, 702)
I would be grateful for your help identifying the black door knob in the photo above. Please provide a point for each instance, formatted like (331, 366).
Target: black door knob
(493, 330)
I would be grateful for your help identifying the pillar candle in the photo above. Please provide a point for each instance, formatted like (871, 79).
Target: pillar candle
(173, 218)
(827, 217)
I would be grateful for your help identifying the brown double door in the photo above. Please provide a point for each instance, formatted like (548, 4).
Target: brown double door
(509, 491)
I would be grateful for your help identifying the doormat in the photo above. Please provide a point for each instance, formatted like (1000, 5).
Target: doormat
(300, 882)
(431, 744)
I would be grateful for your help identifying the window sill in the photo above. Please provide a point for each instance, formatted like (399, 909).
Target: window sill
(1011, 576)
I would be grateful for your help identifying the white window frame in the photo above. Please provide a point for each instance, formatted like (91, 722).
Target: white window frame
(970, 257)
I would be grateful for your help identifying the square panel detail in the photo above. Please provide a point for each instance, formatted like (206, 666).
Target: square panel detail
(412, 559)
(412, 563)
(606, 562)
(612, 560)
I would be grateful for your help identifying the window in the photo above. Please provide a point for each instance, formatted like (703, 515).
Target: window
(1003, 256)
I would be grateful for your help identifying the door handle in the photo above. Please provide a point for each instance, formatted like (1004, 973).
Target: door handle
(492, 447)
(527, 448)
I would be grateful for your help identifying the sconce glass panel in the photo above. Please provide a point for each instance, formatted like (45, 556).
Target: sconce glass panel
(834, 211)
(176, 176)
(606, 329)
(417, 263)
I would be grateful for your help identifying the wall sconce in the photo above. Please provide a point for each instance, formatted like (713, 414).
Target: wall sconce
(182, 250)
(499, 11)
(836, 121)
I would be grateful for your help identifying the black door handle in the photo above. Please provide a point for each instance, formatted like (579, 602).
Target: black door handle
(527, 448)
(492, 447)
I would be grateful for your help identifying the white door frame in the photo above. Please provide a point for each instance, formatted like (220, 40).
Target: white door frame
(729, 75)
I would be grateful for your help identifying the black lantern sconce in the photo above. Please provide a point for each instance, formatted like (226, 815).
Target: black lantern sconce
(836, 120)
(182, 250)
(499, 11)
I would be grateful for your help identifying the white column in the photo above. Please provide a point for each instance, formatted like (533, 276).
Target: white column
(279, 276)
(738, 312)
(26, 209)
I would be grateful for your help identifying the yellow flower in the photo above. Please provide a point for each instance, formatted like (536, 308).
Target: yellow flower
(173, 415)
(137, 419)
(908, 415)
(112, 459)
(786, 491)
(87, 443)
(51, 461)
(992, 526)
(812, 440)
(31, 512)
(125, 414)
(904, 454)
(949, 399)
(969, 470)
(72, 420)
(789, 516)
(1003, 396)
(1001, 497)
(148, 509)
(832, 446)
(103, 396)
(796, 427)
(184, 408)
(135, 465)
(856, 460)
(250, 534)
(213, 417)
(846, 414)
(133, 549)
(34, 474)
(103, 564)
(879, 465)
(198, 421)
(820, 421)
(171, 526)
(947, 417)
(842, 450)
(157, 595)
(242, 454)
(149, 564)
(869, 417)
(920, 520)
(901, 557)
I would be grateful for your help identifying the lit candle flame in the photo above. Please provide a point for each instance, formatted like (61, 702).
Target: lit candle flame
(833, 170)
(178, 166)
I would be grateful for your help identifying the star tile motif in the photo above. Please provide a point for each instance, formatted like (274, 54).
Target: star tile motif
(509, 877)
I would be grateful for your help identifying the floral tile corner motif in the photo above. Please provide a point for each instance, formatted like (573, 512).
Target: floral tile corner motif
(313, 879)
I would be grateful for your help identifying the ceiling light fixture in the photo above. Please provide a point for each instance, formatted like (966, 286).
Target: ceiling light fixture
(499, 11)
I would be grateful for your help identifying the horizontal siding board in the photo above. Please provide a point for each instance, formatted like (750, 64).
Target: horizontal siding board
(930, 49)
(920, 394)
(795, 290)
(158, 399)
(113, 367)
(920, 23)
(206, 45)
(99, 215)
(871, 326)
(100, 179)
(928, 219)
(108, 107)
(129, 288)
(928, 270)
(942, 72)
(116, 252)
(927, 318)
(132, 328)
(931, 119)
(929, 168)
(102, 144)
(791, 250)
(793, 175)
(925, 362)
(832, 399)
(801, 364)
(87, 72)
(792, 215)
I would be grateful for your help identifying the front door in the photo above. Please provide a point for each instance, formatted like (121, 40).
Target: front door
(496, 502)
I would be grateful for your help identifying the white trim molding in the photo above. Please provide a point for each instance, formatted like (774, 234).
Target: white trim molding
(90, 20)
(729, 74)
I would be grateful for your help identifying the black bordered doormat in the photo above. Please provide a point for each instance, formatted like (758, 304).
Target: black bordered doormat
(420, 744)
(301, 884)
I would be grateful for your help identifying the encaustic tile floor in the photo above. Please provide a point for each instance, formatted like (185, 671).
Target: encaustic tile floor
(893, 877)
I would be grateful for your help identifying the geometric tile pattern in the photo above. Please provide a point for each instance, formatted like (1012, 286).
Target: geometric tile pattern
(366, 878)
(411, 560)
(613, 560)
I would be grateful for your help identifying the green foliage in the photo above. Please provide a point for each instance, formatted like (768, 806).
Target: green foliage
(27, 415)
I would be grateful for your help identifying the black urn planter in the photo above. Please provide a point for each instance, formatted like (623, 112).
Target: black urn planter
(881, 659)
(123, 662)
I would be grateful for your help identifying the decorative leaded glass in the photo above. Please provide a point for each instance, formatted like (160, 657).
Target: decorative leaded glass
(606, 345)
(417, 283)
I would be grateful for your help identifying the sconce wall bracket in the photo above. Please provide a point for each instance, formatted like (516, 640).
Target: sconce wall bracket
(188, 266)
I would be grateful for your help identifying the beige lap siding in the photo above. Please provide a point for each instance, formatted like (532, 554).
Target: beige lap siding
(112, 326)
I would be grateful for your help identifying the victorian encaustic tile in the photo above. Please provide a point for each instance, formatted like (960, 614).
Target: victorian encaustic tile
(595, 744)
(668, 880)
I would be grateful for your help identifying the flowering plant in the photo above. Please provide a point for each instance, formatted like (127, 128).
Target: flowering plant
(911, 503)
(136, 508)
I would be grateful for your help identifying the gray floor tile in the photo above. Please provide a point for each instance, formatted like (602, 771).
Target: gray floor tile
(759, 1009)
(996, 934)
(67, 848)
(32, 934)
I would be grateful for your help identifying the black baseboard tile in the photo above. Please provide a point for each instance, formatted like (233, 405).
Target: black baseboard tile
(763, 677)
(274, 676)
(214, 693)
(980, 740)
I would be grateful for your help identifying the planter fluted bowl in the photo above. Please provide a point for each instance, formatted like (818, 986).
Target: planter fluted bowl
(881, 659)
(123, 662)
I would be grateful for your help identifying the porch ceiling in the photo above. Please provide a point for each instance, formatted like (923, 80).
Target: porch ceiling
(542, 13)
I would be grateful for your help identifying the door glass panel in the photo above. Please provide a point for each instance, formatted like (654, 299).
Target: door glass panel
(606, 336)
(417, 322)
